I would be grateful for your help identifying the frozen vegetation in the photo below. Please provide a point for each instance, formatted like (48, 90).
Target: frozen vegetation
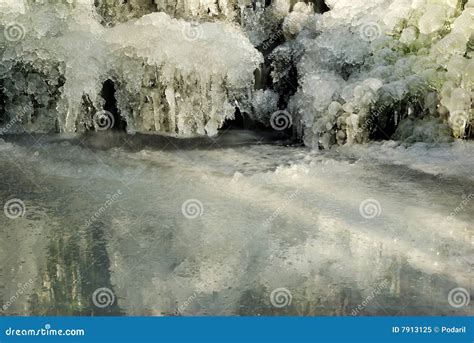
(362, 69)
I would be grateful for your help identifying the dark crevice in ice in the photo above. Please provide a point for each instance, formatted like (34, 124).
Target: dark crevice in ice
(108, 94)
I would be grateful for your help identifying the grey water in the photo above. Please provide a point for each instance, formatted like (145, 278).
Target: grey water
(239, 224)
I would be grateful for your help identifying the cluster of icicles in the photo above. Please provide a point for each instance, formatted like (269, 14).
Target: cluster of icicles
(393, 68)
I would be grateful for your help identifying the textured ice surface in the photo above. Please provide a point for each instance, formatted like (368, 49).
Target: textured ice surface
(365, 69)
(170, 76)
(267, 217)
(370, 64)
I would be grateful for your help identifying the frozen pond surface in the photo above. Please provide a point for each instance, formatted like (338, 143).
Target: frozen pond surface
(236, 225)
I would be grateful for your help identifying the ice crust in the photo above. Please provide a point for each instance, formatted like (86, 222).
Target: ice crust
(368, 65)
(365, 69)
(295, 222)
(171, 76)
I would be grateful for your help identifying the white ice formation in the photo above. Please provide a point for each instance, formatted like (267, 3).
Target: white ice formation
(371, 66)
(170, 76)
(364, 69)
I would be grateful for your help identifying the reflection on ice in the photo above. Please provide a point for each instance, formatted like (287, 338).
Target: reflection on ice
(269, 218)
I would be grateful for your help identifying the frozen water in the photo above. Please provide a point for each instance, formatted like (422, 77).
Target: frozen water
(213, 226)
(171, 76)
(406, 49)
(365, 69)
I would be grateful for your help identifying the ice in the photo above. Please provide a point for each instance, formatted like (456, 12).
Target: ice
(411, 49)
(182, 67)
(264, 217)
(115, 11)
(170, 76)
(265, 104)
(198, 91)
(271, 217)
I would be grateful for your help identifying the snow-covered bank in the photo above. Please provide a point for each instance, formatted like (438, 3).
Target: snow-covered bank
(330, 227)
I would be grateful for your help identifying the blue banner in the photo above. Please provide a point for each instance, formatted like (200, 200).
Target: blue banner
(237, 329)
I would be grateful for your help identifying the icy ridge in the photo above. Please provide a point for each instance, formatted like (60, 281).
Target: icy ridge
(171, 76)
(368, 65)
